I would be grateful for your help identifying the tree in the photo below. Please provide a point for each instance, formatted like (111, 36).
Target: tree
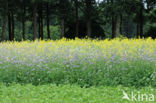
(88, 16)
(4, 6)
(47, 19)
(77, 19)
(116, 18)
(34, 20)
(63, 8)
(40, 20)
(11, 24)
(23, 8)
(150, 21)
(140, 19)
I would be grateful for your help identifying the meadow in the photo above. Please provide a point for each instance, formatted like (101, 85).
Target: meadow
(80, 65)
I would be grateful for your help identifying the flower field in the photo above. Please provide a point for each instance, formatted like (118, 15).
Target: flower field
(85, 62)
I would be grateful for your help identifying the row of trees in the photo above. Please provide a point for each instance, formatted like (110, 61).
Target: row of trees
(77, 18)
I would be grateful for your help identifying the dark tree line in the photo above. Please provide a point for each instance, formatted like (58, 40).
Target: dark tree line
(77, 18)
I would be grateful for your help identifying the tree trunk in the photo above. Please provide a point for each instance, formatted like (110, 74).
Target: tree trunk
(9, 26)
(62, 28)
(39, 28)
(88, 23)
(113, 21)
(23, 23)
(39, 24)
(89, 30)
(113, 27)
(4, 21)
(117, 25)
(34, 20)
(13, 26)
(77, 18)
(48, 29)
(4, 27)
(138, 30)
(41, 21)
(120, 23)
(141, 22)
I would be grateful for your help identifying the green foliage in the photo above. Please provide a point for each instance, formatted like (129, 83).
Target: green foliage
(16, 93)
(150, 27)
(54, 31)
